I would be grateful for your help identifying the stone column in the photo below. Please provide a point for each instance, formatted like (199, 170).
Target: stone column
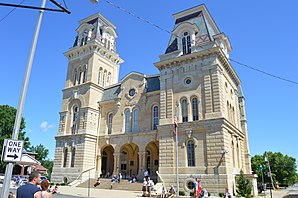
(142, 167)
(116, 163)
(98, 165)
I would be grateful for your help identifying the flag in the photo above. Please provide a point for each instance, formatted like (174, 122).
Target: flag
(175, 125)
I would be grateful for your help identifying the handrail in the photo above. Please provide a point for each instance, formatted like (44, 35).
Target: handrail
(84, 171)
(163, 182)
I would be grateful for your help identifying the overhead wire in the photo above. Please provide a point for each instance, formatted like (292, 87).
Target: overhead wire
(11, 11)
(169, 32)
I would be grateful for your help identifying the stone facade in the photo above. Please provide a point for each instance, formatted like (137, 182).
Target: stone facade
(127, 127)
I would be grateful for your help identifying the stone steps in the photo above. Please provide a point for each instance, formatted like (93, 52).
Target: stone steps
(106, 184)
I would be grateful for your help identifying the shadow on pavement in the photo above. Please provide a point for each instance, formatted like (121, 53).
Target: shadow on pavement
(291, 196)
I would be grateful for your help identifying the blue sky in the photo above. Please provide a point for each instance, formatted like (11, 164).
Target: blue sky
(263, 34)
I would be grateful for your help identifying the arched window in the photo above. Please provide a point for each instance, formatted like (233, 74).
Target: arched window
(135, 120)
(75, 120)
(195, 109)
(190, 153)
(184, 110)
(65, 157)
(108, 78)
(228, 110)
(99, 75)
(104, 77)
(127, 121)
(75, 77)
(80, 76)
(73, 154)
(84, 75)
(110, 123)
(155, 117)
(186, 44)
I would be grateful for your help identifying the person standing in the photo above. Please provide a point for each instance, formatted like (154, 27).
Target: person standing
(45, 187)
(146, 174)
(30, 190)
(144, 190)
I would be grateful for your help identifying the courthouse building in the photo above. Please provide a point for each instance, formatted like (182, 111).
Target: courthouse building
(126, 126)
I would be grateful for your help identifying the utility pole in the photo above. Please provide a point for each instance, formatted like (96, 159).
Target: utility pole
(263, 185)
(18, 119)
(270, 175)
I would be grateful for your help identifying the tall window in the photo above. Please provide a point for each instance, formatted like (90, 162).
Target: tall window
(195, 112)
(80, 76)
(155, 117)
(191, 153)
(75, 120)
(75, 77)
(110, 123)
(73, 154)
(65, 157)
(103, 78)
(99, 76)
(127, 121)
(184, 110)
(135, 120)
(186, 45)
(84, 75)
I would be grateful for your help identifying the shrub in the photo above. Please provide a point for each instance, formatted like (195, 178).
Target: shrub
(182, 193)
(191, 193)
(220, 194)
(244, 187)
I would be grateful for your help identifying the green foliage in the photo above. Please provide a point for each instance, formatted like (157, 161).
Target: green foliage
(244, 186)
(48, 164)
(42, 152)
(283, 168)
(7, 119)
(220, 194)
(191, 193)
(181, 193)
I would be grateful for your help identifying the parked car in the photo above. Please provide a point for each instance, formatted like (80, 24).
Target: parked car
(23, 181)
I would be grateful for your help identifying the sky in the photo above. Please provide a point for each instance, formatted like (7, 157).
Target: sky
(263, 35)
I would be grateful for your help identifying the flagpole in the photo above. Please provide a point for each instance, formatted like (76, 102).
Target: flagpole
(177, 173)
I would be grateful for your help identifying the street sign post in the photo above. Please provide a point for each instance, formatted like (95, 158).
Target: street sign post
(12, 150)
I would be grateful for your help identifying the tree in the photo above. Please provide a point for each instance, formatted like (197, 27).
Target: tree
(283, 167)
(244, 186)
(41, 151)
(48, 164)
(7, 119)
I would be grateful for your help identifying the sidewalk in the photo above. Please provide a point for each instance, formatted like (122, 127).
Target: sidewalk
(96, 192)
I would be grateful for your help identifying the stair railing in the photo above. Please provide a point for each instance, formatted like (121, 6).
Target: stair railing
(163, 182)
(84, 171)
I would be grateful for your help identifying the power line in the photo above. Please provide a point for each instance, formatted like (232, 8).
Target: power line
(169, 32)
(11, 11)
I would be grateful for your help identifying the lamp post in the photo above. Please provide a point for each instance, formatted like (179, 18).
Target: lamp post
(16, 128)
(263, 185)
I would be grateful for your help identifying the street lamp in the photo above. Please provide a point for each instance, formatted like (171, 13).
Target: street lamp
(16, 128)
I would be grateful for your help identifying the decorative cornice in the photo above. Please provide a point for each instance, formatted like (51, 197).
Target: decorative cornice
(200, 54)
(93, 47)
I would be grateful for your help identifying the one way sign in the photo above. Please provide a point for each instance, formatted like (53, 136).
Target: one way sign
(12, 150)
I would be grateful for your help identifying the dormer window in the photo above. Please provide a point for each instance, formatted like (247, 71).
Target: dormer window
(186, 44)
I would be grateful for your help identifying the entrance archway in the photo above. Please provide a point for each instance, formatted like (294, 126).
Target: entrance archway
(152, 158)
(107, 160)
(129, 160)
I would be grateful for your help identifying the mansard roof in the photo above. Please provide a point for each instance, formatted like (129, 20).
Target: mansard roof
(113, 92)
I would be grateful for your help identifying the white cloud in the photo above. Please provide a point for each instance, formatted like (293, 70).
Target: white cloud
(45, 126)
